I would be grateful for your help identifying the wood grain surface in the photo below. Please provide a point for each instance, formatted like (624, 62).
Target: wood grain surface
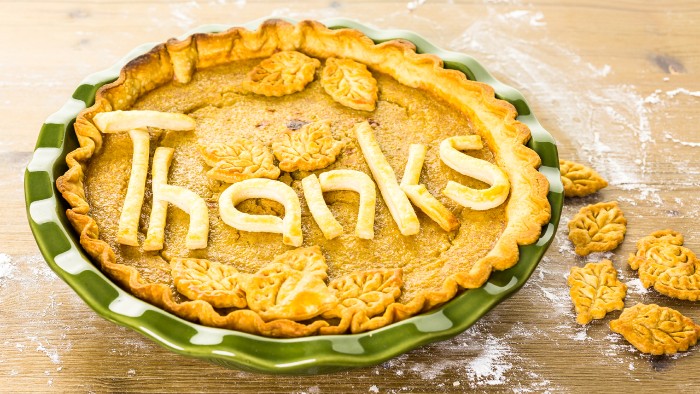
(616, 82)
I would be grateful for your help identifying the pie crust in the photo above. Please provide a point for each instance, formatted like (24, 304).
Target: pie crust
(316, 300)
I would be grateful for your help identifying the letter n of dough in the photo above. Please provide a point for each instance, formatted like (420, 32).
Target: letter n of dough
(361, 183)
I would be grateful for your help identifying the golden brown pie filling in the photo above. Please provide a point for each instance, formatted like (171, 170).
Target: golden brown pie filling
(244, 280)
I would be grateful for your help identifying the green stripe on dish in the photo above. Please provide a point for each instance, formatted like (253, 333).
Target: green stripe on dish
(38, 185)
(97, 288)
(51, 135)
(86, 92)
(54, 238)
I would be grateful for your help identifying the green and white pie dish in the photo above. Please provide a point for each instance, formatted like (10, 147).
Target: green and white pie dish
(318, 354)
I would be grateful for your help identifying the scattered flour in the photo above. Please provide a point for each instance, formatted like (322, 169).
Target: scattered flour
(635, 286)
(491, 366)
(7, 269)
(51, 352)
(20, 279)
(671, 138)
(414, 4)
(581, 334)
(672, 93)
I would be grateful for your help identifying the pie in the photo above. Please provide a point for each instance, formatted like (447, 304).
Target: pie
(297, 180)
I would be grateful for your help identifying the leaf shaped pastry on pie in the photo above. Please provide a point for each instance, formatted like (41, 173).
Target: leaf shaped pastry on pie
(664, 263)
(656, 330)
(291, 287)
(239, 160)
(579, 180)
(370, 291)
(350, 83)
(312, 147)
(216, 283)
(597, 228)
(595, 291)
(283, 73)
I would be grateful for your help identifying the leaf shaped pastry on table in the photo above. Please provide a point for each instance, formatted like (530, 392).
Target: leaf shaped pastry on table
(597, 228)
(595, 291)
(656, 330)
(664, 263)
(240, 160)
(362, 296)
(309, 148)
(291, 287)
(350, 83)
(216, 283)
(579, 180)
(281, 74)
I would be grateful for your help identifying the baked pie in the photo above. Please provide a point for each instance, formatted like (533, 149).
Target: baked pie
(297, 180)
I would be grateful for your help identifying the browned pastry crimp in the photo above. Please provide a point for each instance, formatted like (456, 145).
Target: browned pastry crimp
(597, 228)
(656, 330)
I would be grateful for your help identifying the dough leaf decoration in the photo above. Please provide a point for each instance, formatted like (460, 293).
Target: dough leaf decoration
(240, 160)
(371, 291)
(309, 148)
(281, 74)
(291, 287)
(216, 283)
(664, 263)
(595, 291)
(597, 228)
(579, 180)
(350, 83)
(656, 330)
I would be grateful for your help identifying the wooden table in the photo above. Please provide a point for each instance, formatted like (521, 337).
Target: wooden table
(616, 83)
